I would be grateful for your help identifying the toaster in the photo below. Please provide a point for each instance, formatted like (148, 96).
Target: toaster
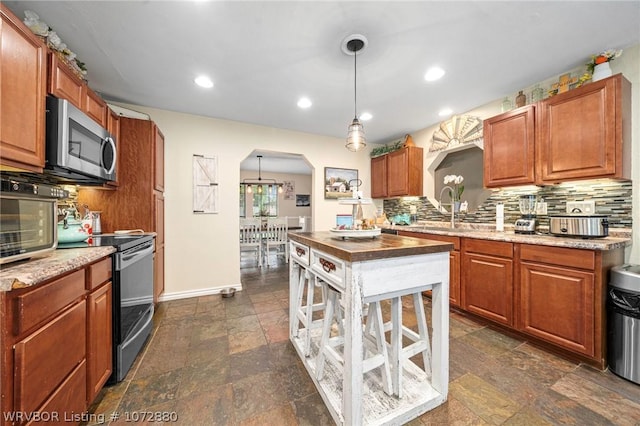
(583, 226)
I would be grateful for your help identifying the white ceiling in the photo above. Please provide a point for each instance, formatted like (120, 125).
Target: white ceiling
(263, 56)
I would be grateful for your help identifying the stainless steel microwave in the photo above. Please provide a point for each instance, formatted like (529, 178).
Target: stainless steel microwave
(78, 150)
(28, 219)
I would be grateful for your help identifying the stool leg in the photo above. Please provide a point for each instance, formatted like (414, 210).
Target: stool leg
(326, 332)
(381, 344)
(309, 312)
(396, 345)
(423, 331)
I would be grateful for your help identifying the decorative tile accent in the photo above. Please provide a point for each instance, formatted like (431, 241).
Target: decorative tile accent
(612, 198)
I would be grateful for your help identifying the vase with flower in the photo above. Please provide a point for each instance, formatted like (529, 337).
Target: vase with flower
(599, 66)
(457, 189)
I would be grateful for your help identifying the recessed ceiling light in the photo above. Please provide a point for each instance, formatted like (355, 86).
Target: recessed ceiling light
(304, 103)
(434, 73)
(445, 112)
(204, 81)
(365, 116)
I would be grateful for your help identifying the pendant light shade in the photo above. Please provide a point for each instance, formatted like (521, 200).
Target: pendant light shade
(356, 139)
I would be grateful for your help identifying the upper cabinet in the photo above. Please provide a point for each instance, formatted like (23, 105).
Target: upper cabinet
(23, 85)
(581, 134)
(586, 133)
(509, 146)
(398, 173)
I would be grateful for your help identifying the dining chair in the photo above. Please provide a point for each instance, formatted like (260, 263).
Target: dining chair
(276, 237)
(251, 238)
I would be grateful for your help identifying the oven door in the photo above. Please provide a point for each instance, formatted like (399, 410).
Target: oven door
(27, 227)
(133, 305)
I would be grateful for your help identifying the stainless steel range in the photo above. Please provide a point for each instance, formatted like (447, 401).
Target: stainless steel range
(132, 295)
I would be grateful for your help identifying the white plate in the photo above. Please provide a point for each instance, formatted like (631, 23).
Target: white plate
(355, 233)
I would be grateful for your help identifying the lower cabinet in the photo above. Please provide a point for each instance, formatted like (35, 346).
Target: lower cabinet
(487, 279)
(56, 344)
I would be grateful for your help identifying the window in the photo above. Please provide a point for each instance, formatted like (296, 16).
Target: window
(265, 200)
(243, 200)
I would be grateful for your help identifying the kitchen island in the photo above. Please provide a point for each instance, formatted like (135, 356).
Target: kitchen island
(384, 267)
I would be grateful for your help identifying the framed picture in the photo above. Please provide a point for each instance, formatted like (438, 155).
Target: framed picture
(289, 189)
(303, 200)
(336, 182)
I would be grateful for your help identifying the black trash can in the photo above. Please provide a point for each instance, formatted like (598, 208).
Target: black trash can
(623, 319)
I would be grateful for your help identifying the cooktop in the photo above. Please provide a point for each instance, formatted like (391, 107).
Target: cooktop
(120, 242)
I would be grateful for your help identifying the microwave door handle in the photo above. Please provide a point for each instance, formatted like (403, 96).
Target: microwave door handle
(110, 141)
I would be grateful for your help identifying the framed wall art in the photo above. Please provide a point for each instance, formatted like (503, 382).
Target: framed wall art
(336, 182)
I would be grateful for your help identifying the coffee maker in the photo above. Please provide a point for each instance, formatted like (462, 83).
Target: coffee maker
(527, 223)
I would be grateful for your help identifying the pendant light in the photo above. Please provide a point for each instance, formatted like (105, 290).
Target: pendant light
(355, 137)
(260, 181)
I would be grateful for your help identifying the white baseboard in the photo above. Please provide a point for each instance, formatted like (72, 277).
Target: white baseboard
(164, 297)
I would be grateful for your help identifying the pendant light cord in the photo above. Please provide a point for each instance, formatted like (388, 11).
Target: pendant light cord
(355, 83)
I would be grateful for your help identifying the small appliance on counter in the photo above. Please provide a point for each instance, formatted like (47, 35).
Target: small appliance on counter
(582, 226)
(527, 223)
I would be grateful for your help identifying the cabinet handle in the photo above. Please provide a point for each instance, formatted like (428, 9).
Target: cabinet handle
(327, 266)
(300, 252)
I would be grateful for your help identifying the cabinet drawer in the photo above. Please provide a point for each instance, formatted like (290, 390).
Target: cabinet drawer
(445, 238)
(45, 358)
(572, 258)
(99, 273)
(42, 302)
(496, 248)
(300, 253)
(328, 268)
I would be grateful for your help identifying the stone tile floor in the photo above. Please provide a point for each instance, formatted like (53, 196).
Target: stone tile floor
(215, 361)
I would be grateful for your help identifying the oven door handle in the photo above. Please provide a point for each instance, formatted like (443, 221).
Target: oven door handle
(135, 256)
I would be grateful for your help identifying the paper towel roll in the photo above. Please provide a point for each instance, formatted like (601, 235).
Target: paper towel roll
(500, 217)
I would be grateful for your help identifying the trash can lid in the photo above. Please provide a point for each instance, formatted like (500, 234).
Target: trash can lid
(626, 277)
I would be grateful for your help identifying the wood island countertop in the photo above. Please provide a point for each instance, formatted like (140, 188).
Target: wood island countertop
(362, 249)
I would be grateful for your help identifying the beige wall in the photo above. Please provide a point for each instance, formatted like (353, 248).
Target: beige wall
(202, 251)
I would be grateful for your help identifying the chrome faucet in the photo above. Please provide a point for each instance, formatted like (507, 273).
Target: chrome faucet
(453, 208)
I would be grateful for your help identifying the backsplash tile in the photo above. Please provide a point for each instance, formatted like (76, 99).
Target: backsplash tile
(612, 198)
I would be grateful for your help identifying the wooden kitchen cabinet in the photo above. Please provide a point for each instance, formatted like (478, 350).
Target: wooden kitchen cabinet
(562, 296)
(137, 203)
(99, 326)
(398, 173)
(586, 132)
(94, 106)
(509, 148)
(63, 83)
(487, 279)
(23, 73)
(454, 261)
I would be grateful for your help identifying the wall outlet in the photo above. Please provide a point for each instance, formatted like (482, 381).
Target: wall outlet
(541, 208)
(581, 207)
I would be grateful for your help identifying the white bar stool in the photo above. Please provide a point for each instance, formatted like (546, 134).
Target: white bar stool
(419, 341)
(374, 336)
(306, 306)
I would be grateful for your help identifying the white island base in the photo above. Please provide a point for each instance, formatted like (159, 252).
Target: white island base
(383, 268)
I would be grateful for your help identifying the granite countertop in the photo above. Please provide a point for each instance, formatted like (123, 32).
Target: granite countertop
(618, 238)
(362, 249)
(36, 270)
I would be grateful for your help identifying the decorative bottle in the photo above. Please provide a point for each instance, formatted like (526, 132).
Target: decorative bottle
(537, 94)
(521, 99)
(506, 105)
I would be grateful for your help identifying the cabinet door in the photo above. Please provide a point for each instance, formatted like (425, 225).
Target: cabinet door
(158, 159)
(509, 141)
(158, 272)
(94, 106)
(557, 305)
(63, 83)
(23, 86)
(379, 177)
(99, 340)
(580, 133)
(46, 357)
(487, 287)
(404, 172)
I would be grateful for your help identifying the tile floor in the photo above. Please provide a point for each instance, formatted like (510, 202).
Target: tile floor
(228, 361)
